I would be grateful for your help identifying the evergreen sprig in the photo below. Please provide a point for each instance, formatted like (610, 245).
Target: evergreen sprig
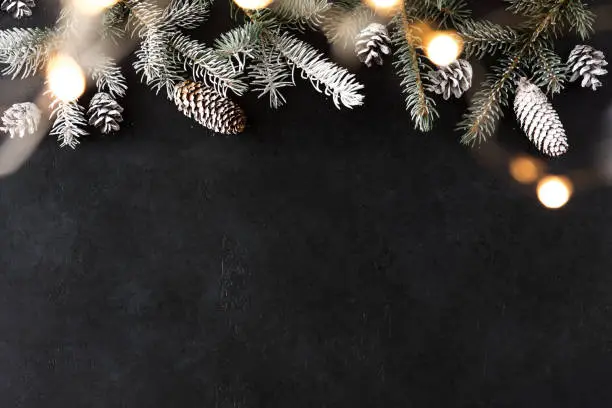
(69, 124)
(25, 50)
(108, 77)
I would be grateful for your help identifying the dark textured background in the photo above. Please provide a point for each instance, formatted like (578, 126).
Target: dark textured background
(322, 259)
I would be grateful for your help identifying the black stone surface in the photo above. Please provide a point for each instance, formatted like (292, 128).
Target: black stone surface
(323, 259)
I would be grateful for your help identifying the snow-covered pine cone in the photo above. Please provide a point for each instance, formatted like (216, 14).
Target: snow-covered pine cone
(455, 78)
(209, 108)
(21, 119)
(18, 8)
(105, 113)
(539, 120)
(372, 43)
(586, 62)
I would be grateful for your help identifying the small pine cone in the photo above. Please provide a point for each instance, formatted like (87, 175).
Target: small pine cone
(372, 43)
(586, 62)
(105, 113)
(21, 119)
(209, 108)
(539, 120)
(455, 78)
(18, 8)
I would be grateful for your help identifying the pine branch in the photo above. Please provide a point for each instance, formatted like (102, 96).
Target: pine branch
(156, 63)
(186, 14)
(302, 13)
(69, 122)
(108, 77)
(114, 22)
(239, 44)
(408, 65)
(484, 37)
(548, 69)
(270, 73)
(25, 50)
(488, 103)
(447, 13)
(207, 66)
(325, 76)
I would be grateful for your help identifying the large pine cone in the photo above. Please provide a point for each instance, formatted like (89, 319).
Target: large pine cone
(209, 108)
(18, 8)
(539, 120)
(372, 43)
(586, 62)
(455, 78)
(105, 113)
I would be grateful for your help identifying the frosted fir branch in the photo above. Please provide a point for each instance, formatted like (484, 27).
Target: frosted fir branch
(483, 37)
(325, 76)
(269, 74)
(408, 65)
(343, 22)
(301, 12)
(108, 77)
(447, 13)
(69, 122)
(549, 70)
(186, 13)
(488, 103)
(238, 44)
(25, 50)
(207, 66)
(114, 22)
(156, 64)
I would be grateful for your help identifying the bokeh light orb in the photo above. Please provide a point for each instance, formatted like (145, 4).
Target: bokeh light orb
(252, 4)
(525, 169)
(443, 48)
(554, 191)
(383, 4)
(65, 78)
(92, 7)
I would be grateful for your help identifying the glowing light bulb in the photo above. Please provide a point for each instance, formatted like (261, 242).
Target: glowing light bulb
(525, 169)
(443, 48)
(554, 191)
(91, 7)
(65, 77)
(383, 4)
(252, 4)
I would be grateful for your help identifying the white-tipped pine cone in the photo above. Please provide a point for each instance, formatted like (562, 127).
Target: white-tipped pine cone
(539, 120)
(209, 108)
(455, 78)
(586, 62)
(105, 113)
(21, 119)
(372, 43)
(18, 8)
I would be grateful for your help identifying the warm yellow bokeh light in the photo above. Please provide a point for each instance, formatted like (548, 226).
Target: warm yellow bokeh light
(524, 169)
(65, 78)
(554, 191)
(383, 4)
(443, 48)
(252, 4)
(91, 7)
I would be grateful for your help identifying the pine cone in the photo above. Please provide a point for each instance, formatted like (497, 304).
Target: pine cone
(105, 113)
(21, 119)
(209, 108)
(539, 120)
(586, 62)
(372, 43)
(455, 78)
(18, 8)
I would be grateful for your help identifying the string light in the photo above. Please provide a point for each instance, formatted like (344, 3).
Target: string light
(383, 4)
(443, 48)
(252, 4)
(554, 191)
(524, 169)
(92, 7)
(65, 78)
